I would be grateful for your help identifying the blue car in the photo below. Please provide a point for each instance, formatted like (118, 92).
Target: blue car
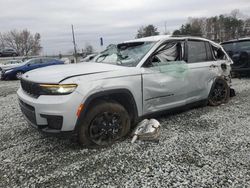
(31, 64)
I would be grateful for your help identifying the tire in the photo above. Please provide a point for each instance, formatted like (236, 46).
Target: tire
(220, 93)
(93, 129)
(19, 75)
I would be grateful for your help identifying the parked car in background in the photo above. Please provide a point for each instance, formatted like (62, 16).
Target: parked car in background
(8, 52)
(66, 60)
(239, 51)
(35, 63)
(10, 64)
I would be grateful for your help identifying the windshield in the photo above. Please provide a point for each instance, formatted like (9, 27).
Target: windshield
(237, 46)
(125, 54)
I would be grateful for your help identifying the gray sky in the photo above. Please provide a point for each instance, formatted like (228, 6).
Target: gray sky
(114, 20)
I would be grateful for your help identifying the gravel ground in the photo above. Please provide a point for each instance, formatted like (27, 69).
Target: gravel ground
(204, 147)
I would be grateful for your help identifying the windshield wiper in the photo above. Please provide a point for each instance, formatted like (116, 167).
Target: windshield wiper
(102, 56)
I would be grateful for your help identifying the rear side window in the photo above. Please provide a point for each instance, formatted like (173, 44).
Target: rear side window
(47, 60)
(196, 51)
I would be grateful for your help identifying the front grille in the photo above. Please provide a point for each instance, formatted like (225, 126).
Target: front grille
(31, 88)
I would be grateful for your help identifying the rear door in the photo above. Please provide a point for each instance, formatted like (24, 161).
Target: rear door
(164, 78)
(203, 68)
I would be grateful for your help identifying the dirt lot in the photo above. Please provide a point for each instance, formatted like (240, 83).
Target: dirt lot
(204, 147)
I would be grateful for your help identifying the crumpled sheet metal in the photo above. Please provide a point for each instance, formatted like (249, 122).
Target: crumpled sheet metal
(147, 130)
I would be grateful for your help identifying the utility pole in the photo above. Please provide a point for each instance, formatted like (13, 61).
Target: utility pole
(74, 42)
(165, 25)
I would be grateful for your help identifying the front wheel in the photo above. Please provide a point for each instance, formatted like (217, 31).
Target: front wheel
(19, 75)
(220, 93)
(104, 123)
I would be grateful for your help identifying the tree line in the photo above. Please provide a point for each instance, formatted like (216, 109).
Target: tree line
(217, 28)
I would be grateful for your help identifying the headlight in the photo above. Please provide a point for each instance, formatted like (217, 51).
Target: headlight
(57, 89)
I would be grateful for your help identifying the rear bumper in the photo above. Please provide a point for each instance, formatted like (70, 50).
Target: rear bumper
(50, 114)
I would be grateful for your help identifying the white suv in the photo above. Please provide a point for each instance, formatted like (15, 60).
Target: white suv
(103, 99)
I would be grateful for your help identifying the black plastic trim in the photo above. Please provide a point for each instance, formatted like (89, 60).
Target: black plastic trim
(163, 96)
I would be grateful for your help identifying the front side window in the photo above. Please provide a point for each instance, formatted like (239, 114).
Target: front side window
(168, 53)
(125, 54)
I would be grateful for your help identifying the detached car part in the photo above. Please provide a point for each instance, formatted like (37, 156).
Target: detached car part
(147, 130)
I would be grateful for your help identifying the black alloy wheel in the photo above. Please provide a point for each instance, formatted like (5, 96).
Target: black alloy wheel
(104, 124)
(220, 93)
(105, 128)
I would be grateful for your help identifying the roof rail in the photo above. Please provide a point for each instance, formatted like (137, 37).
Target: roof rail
(180, 36)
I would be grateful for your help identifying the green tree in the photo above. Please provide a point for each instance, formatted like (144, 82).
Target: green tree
(177, 32)
(88, 49)
(217, 28)
(147, 31)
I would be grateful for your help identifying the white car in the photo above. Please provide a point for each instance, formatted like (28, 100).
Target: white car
(102, 100)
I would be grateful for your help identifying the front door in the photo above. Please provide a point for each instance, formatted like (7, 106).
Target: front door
(164, 78)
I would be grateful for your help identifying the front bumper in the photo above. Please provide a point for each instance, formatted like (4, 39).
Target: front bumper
(4, 76)
(52, 114)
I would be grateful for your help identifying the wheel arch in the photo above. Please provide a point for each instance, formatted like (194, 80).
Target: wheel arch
(121, 96)
(214, 82)
(224, 100)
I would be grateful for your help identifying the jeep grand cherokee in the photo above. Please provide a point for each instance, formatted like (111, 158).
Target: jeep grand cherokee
(102, 100)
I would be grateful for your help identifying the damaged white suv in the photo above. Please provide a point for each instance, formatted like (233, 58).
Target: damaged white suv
(103, 99)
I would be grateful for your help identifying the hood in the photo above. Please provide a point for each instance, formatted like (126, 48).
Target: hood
(11, 66)
(57, 73)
